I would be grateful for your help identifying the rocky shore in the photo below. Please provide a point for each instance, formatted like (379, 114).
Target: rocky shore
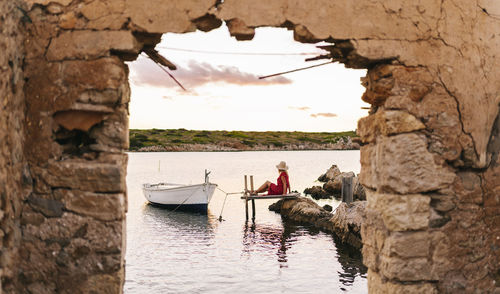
(342, 144)
(345, 222)
(332, 186)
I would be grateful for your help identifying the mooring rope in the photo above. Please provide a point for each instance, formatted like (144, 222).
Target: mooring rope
(224, 203)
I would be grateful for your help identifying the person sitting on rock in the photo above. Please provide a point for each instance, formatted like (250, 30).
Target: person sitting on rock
(281, 187)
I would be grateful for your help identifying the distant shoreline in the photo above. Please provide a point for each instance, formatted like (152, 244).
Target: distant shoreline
(182, 140)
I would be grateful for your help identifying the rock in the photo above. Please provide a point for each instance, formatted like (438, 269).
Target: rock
(239, 30)
(345, 223)
(317, 192)
(334, 187)
(402, 164)
(48, 207)
(330, 174)
(91, 44)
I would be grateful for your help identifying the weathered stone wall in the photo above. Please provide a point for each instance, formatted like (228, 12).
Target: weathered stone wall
(13, 172)
(430, 158)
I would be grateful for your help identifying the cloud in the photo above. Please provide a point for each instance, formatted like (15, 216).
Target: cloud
(145, 73)
(303, 108)
(323, 114)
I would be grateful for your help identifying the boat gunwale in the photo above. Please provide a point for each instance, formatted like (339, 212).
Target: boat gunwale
(176, 188)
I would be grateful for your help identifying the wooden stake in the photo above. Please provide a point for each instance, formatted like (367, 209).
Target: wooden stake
(253, 201)
(246, 198)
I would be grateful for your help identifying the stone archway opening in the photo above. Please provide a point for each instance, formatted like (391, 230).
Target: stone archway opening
(430, 159)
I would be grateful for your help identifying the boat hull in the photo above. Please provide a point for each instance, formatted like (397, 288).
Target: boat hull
(192, 197)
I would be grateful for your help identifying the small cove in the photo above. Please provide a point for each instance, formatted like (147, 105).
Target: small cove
(179, 252)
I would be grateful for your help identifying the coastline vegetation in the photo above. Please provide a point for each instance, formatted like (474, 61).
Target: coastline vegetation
(179, 137)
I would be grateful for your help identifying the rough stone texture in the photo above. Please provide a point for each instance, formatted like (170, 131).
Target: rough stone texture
(345, 221)
(429, 62)
(387, 123)
(14, 174)
(400, 213)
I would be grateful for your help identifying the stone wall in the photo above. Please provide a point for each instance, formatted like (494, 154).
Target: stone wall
(429, 160)
(13, 172)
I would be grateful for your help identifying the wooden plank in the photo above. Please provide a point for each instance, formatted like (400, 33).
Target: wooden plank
(287, 196)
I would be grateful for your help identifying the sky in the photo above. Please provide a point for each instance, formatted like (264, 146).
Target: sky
(224, 92)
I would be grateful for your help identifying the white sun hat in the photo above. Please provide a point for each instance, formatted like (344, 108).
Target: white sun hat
(282, 166)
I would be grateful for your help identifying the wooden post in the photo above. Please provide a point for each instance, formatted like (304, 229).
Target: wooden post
(246, 198)
(253, 201)
(347, 190)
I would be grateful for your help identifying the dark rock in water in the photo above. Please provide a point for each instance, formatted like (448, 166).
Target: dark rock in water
(345, 222)
(327, 207)
(317, 192)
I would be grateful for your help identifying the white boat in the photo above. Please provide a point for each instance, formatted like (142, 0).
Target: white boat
(178, 196)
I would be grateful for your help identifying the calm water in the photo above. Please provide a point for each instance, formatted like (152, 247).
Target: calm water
(179, 252)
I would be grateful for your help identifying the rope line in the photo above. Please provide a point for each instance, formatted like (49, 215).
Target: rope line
(224, 203)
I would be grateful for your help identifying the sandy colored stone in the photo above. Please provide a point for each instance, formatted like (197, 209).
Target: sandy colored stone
(402, 164)
(68, 20)
(101, 206)
(105, 14)
(408, 269)
(239, 30)
(30, 3)
(407, 244)
(86, 176)
(90, 44)
(401, 212)
(386, 123)
(78, 119)
(167, 16)
(377, 286)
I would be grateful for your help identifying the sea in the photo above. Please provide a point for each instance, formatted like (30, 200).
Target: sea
(183, 252)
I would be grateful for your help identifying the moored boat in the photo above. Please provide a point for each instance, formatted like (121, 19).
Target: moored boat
(182, 197)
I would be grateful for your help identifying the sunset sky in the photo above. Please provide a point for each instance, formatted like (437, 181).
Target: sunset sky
(224, 92)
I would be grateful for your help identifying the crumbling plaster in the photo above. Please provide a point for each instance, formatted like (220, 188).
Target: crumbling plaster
(431, 82)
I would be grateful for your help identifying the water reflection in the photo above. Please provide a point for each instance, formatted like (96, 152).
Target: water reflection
(351, 260)
(183, 224)
(264, 237)
(258, 237)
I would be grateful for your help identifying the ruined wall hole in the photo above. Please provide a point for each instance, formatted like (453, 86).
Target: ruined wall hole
(439, 116)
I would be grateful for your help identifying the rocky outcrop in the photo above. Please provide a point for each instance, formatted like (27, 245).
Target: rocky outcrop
(332, 186)
(345, 222)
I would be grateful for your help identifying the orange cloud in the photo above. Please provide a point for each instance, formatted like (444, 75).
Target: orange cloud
(323, 114)
(145, 73)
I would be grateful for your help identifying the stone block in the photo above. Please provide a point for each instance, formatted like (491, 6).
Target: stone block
(407, 244)
(239, 30)
(48, 207)
(102, 206)
(408, 269)
(385, 123)
(90, 44)
(401, 212)
(86, 176)
(112, 134)
(377, 286)
(104, 14)
(101, 74)
(402, 164)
